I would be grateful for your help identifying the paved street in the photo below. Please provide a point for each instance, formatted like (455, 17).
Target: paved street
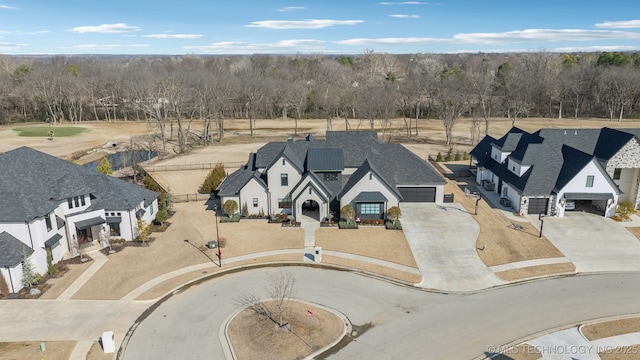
(406, 323)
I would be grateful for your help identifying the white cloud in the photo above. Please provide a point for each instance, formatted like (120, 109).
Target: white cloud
(302, 24)
(7, 7)
(40, 32)
(598, 48)
(630, 24)
(510, 37)
(6, 46)
(403, 16)
(291, 8)
(544, 35)
(108, 46)
(284, 46)
(392, 41)
(401, 3)
(174, 36)
(106, 28)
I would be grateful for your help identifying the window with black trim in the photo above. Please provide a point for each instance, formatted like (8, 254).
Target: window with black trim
(590, 181)
(616, 173)
(370, 208)
(255, 202)
(284, 179)
(330, 176)
(47, 220)
(82, 200)
(284, 203)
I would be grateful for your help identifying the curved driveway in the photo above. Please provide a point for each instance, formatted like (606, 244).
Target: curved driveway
(407, 323)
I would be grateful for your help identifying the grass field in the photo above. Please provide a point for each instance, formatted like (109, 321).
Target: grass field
(43, 131)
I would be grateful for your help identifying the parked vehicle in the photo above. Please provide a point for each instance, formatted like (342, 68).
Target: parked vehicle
(570, 205)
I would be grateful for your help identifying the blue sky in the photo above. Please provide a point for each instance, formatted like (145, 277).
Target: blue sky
(315, 27)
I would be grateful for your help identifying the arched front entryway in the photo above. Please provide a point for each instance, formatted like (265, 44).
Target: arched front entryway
(311, 208)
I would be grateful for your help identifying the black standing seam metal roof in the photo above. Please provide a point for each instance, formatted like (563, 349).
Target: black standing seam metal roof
(325, 159)
(12, 250)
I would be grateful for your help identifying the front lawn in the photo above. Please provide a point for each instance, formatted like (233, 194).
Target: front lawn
(43, 131)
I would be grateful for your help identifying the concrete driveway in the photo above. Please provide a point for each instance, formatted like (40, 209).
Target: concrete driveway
(593, 242)
(443, 241)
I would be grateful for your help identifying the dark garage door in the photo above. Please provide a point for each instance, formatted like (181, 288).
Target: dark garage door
(418, 194)
(538, 205)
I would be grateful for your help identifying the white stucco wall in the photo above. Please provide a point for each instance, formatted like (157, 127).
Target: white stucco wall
(273, 180)
(364, 185)
(14, 281)
(65, 205)
(578, 185)
(498, 155)
(253, 189)
(627, 184)
(511, 194)
(304, 195)
(516, 168)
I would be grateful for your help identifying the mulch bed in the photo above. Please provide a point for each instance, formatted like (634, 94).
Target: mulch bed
(62, 269)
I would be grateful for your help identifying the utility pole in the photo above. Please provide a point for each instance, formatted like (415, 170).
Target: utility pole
(215, 209)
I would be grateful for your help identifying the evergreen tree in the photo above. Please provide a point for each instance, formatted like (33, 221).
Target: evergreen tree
(105, 166)
(29, 275)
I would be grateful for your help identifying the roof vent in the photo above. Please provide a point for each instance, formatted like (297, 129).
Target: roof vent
(290, 139)
(576, 132)
(565, 132)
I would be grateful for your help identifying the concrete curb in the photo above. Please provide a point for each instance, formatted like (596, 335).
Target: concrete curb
(230, 354)
(579, 325)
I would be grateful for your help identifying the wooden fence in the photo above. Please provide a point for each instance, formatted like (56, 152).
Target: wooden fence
(190, 197)
(181, 167)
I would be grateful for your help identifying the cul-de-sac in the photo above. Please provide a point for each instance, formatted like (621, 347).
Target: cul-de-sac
(320, 207)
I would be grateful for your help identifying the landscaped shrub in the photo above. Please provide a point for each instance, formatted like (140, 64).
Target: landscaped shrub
(234, 218)
(347, 212)
(465, 156)
(439, 157)
(161, 217)
(52, 269)
(390, 225)
(29, 275)
(348, 224)
(230, 207)
(448, 157)
(625, 209)
(457, 157)
(394, 213)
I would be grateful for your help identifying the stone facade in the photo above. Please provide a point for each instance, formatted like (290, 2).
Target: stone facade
(524, 204)
(628, 157)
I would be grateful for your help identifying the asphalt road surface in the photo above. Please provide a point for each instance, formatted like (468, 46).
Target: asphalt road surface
(402, 322)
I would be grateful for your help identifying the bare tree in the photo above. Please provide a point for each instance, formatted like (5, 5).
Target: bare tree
(280, 289)
(451, 99)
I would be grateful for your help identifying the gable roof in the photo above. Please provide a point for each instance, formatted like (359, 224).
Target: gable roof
(362, 171)
(12, 250)
(554, 156)
(350, 149)
(32, 184)
(235, 181)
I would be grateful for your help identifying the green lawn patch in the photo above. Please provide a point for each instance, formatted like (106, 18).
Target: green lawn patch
(42, 131)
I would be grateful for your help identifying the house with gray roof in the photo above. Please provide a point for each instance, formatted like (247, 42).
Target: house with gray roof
(540, 172)
(318, 177)
(49, 206)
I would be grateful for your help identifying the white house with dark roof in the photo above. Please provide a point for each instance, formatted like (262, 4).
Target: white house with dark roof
(319, 177)
(51, 205)
(540, 172)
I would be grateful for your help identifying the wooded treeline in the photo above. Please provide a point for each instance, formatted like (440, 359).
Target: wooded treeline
(195, 94)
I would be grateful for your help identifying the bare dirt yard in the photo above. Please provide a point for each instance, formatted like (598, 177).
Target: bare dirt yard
(54, 350)
(253, 337)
